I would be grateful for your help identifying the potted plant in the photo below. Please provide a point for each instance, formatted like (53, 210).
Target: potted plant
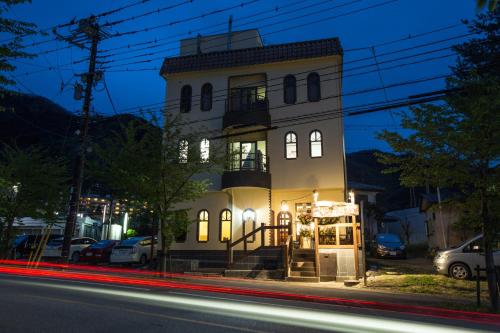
(305, 238)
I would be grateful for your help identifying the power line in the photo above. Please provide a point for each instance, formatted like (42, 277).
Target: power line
(280, 78)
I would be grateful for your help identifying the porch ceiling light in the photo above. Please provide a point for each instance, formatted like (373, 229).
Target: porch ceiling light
(284, 206)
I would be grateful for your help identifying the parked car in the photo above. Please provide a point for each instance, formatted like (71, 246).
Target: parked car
(98, 252)
(460, 261)
(388, 245)
(54, 247)
(23, 245)
(133, 250)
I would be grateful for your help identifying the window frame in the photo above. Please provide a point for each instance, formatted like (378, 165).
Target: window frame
(181, 142)
(288, 99)
(203, 107)
(296, 146)
(311, 142)
(198, 221)
(186, 101)
(230, 224)
(310, 77)
(252, 238)
(207, 159)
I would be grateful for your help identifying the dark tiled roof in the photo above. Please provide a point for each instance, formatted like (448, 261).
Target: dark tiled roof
(252, 56)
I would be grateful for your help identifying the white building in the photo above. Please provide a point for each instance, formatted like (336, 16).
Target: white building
(274, 104)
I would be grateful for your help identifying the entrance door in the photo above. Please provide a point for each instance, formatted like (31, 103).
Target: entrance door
(284, 218)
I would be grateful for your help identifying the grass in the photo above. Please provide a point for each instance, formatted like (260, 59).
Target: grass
(428, 284)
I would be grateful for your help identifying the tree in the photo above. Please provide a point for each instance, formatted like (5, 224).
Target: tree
(12, 48)
(456, 144)
(407, 229)
(149, 168)
(490, 3)
(31, 184)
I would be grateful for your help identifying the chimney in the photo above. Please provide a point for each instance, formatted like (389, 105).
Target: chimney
(229, 32)
(198, 44)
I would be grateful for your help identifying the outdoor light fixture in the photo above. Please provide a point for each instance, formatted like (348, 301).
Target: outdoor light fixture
(248, 214)
(315, 195)
(284, 206)
(351, 196)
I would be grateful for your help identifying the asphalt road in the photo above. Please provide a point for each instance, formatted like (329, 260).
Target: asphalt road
(34, 304)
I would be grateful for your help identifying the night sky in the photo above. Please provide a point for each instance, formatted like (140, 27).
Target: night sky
(358, 31)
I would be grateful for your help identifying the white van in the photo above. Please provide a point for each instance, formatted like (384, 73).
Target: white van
(460, 261)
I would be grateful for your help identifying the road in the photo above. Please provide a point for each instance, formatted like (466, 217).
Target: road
(41, 304)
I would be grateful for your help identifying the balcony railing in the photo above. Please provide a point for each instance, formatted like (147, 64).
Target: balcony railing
(247, 162)
(254, 111)
(251, 169)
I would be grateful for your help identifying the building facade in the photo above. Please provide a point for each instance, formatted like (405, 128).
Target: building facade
(276, 111)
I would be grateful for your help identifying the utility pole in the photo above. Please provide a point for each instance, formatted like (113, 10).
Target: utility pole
(90, 29)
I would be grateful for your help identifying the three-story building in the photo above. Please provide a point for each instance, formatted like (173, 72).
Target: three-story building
(277, 109)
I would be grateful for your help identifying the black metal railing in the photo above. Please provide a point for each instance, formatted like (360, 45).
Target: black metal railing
(248, 162)
(251, 105)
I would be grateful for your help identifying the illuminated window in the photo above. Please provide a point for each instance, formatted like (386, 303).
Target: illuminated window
(183, 151)
(204, 150)
(289, 89)
(206, 97)
(203, 226)
(290, 145)
(249, 223)
(225, 225)
(185, 103)
(315, 144)
(313, 87)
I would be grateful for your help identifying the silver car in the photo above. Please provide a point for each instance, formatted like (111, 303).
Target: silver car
(460, 261)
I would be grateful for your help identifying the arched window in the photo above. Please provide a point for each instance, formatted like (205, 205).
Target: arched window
(289, 89)
(186, 93)
(202, 231)
(206, 97)
(249, 222)
(290, 145)
(204, 150)
(225, 225)
(183, 151)
(316, 144)
(313, 87)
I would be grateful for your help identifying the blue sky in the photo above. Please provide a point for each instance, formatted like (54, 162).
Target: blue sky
(393, 21)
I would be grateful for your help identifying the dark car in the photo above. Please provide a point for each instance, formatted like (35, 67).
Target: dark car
(24, 245)
(98, 252)
(388, 245)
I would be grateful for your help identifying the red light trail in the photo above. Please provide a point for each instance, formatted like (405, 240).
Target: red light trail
(476, 317)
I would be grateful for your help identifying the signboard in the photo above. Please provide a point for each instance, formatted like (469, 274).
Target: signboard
(334, 209)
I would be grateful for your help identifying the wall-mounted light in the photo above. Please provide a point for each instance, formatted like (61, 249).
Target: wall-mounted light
(351, 196)
(284, 206)
(315, 195)
(249, 214)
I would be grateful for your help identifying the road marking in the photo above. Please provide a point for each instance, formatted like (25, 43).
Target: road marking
(193, 321)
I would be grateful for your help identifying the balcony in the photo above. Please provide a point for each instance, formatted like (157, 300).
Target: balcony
(249, 170)
(247, 107)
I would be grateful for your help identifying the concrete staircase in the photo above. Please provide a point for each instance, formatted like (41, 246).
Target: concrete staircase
(303, 268)
(262, 263)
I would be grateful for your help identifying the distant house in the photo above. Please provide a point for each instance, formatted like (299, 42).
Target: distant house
(85, 227)
(410, 224)
(367, 194)
(439, 223)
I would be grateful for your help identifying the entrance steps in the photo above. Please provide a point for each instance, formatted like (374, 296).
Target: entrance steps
(303, 268)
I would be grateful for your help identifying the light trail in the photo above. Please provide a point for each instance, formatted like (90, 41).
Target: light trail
(306, 318)
(475, 317)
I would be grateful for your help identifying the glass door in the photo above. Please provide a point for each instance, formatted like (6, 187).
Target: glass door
(247, 155)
